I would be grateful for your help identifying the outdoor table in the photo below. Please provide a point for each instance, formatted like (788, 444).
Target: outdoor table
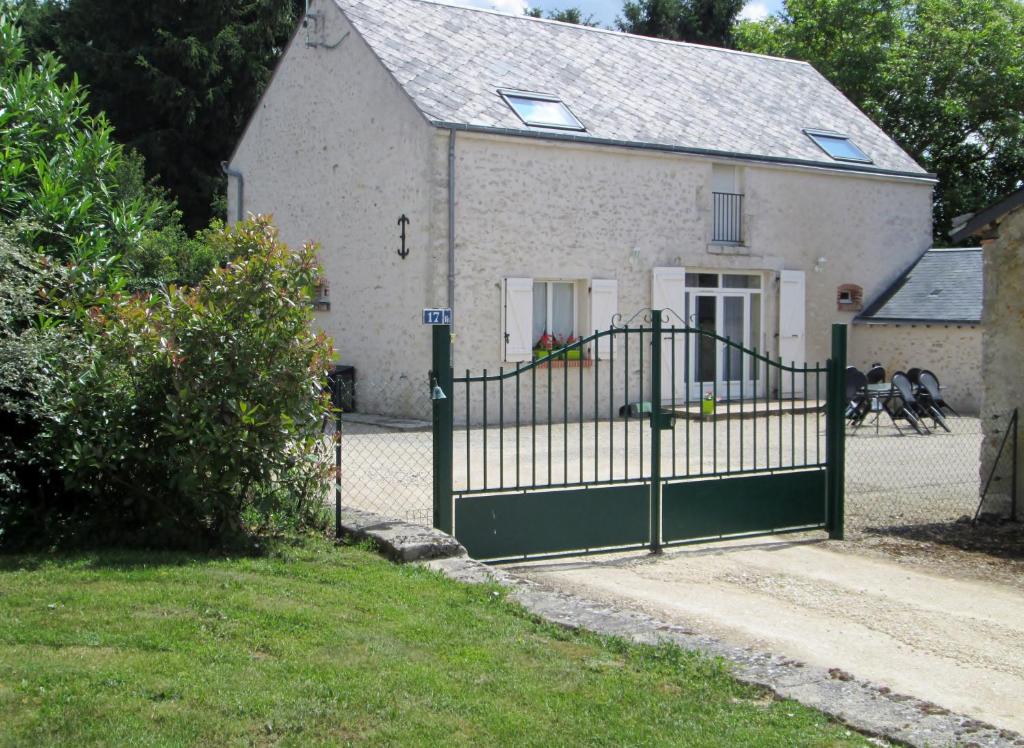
(877, 393)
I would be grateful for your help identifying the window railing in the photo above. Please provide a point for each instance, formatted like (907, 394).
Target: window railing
(727, 217)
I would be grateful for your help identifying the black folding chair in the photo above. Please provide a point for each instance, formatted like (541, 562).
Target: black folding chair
(901, 404)
(876, 374)
(932, 392)
(913, 374)
(858, 405)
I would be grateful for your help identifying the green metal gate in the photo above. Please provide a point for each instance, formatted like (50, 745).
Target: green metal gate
(592, 447)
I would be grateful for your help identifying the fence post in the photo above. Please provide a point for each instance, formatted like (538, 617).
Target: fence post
(1013, 490)
(655, 423)
(441, 377)
(336, 405)
(835, 435)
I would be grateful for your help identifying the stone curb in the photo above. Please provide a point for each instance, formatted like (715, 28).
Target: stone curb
(400, 541)
(864, 706)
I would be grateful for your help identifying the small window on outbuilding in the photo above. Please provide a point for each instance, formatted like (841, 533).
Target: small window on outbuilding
(850, 298)
(541, 110)
(837, 145)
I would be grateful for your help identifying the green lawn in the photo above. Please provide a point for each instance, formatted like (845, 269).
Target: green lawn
(313, 644)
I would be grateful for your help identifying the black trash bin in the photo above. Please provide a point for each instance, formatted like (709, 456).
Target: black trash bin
(343, 387)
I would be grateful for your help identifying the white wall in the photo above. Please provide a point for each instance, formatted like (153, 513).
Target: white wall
(336, 152)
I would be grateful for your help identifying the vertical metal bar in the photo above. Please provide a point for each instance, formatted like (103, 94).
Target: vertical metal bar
(672, 385)
(835, 472)
(655, 424)
(443, 518)
(792, 415)
(501, 427)
(714, 418)
(611, 406)
(640, 421)
(579, 347)
(565, 418)
(743, 357)
(469, 470)
(807, 393)
(533, 424)
(484, 385)
(757, 380)
(625, 386)
(817, 413)
(549, 420)
(782, 376)
(767, 412)
(518, 367)
(597, 405)
(1013, 488)
(686, 391)
(728, 405)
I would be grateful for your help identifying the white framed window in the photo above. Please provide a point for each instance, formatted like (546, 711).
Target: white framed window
(541, 313)
(555, 311)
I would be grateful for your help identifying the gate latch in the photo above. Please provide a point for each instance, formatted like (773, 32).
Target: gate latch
(666, 420)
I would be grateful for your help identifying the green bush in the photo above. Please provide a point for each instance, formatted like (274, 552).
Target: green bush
(76, 192)
(198, 413)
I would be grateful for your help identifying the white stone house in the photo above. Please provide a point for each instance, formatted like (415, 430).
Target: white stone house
(554, 175)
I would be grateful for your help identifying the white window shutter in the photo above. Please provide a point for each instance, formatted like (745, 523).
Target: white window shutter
(668, 293)
(604, 304)
(517, 319)
(792, 313)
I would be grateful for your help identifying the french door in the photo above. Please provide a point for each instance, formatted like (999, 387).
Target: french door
(716, 367)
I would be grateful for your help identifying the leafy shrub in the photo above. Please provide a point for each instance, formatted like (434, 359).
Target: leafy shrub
(31, 348)
(198, 411)
(78, 192)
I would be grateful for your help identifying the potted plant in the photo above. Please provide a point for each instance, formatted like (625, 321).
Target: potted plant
(707, 405)
(543, 346)
(573, 354)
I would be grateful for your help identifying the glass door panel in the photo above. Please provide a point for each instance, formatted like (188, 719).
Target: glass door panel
(706, 317)
(732, 328)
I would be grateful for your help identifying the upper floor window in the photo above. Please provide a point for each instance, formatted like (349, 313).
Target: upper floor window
(837, 145)
(726, 204)
(541, 110)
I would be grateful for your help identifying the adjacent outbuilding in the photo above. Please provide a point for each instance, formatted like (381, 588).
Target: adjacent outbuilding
(1000, 229)
(930, 318)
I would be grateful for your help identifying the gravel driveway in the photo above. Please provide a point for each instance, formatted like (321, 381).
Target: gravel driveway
(958, 643)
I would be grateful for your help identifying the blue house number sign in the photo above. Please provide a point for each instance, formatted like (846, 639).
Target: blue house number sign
(437, 316)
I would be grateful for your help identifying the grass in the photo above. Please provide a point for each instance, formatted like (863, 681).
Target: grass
(312, 644)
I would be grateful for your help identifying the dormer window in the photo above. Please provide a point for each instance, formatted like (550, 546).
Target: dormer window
(541, 110)
(837, 145)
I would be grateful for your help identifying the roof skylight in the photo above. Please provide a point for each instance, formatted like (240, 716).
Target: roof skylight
(838, 146)
(541, 110)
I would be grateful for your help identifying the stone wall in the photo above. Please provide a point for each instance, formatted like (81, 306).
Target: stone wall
(1003, 355)
(952, 352)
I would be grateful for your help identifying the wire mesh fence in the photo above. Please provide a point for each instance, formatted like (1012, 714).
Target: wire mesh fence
(386, 449)
(896, 477)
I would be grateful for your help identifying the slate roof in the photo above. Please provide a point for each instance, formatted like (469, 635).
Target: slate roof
(627, 90)
(945, 285)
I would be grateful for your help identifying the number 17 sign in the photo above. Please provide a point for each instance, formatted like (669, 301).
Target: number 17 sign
(437, 316)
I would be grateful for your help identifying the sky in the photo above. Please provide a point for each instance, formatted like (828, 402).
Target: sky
(602, 10)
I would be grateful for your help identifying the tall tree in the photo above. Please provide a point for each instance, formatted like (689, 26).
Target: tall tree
(943, 77)
(565, 15)
(701, 21)
(178, 80)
